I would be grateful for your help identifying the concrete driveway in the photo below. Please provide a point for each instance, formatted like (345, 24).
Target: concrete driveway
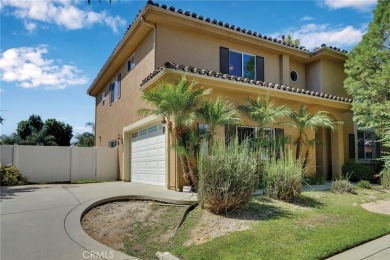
(34, 217)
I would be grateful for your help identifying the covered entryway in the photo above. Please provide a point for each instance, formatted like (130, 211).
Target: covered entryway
(148, 156)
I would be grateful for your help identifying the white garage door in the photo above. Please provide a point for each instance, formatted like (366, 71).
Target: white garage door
(148, 153)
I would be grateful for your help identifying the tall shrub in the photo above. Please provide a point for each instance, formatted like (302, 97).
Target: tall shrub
(228, 176)
(282, 178)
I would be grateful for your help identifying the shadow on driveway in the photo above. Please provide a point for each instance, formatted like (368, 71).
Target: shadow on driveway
(9, 192)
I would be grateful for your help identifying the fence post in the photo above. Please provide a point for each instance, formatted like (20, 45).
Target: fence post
(95, 162)
(71, 163)
(15, 156)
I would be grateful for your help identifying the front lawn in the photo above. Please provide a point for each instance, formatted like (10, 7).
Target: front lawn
(320, 225)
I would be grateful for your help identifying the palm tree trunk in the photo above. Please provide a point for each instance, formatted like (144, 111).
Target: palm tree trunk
(186, 171)
(299, 147)
(306, 159)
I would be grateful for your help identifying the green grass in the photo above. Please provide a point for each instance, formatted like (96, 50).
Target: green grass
(321, 225)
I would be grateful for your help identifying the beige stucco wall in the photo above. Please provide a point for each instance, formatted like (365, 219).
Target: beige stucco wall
(333, 77)
(185, 47)
(314, 76)
(111, 119)
(299, 67)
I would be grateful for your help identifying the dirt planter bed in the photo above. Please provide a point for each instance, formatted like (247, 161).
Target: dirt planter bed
(132, 224)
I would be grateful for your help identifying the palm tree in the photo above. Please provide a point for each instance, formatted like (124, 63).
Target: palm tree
(303, 120)
(216, 113)
(9, 139)
(91, 125)
(177, 103)
(39, 137)
(85, 139)
(264, 113)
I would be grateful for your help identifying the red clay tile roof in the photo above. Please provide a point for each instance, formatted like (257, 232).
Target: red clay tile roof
(215, 74)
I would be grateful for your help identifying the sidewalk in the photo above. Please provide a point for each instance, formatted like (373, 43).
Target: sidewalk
(378, 249)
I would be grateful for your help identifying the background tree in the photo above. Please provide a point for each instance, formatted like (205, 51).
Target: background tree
(1, 120)
(368, 74)
(86, 139)
(60, 131)
(26, 127)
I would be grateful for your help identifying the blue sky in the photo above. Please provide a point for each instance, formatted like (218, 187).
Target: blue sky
(51, 51)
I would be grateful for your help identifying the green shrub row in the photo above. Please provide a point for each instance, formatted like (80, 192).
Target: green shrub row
(358, 171)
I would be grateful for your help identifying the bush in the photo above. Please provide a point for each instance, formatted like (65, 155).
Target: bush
(317, 179)
(227, 176)
(10, 176)
(364, 184)
(385, 178)
(343, 185)
(359, 171)
(282, 179)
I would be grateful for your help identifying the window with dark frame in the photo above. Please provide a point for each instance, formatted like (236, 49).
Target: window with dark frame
(241, 64)
(103, 98)
(115, 89)
(366, 145)
(131, 63)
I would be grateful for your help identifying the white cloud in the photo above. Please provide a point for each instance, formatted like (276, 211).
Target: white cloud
(63, 13)
(363, 5)
(313, 35)
(307, 18)
(27, 67)
(81, 129)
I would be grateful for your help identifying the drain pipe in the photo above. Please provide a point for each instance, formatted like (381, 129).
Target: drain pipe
(154, 38)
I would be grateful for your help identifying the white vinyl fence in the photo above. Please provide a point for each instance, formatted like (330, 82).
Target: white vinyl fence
(62, 164)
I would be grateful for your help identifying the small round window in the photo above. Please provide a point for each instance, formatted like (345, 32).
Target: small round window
(294, 75)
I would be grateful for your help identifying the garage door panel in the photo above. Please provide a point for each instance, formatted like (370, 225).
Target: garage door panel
(148, 156)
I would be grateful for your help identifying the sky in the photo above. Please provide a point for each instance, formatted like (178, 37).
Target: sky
(52, 50)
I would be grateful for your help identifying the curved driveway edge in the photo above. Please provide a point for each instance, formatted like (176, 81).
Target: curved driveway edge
(43, 221)
(92, 247)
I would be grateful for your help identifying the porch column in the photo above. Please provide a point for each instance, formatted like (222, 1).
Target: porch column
(337, 149)
(284, 64)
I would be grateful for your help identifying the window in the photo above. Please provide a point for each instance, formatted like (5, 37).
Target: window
(103, 98)
(115, 89)
(366, 144)
(273, 143)
(294, 75)
(131, 63)
(241, 64)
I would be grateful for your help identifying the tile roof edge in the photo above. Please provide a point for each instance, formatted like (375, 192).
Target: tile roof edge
(211, 73)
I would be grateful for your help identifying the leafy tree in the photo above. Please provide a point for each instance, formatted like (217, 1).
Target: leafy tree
(368, 75)
(217, 113)
(26, 127)
(304, 120)
(34, 132)
(1, 120)
(60, 131)
(291, 41)
(177, 103)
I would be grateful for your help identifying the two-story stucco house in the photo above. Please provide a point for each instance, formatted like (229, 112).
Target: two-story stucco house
(216, 55)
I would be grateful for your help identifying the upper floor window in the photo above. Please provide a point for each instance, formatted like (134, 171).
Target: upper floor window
(115, 89)
(131, 63)
(241, 64)
(103, 98)
(366, 144)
